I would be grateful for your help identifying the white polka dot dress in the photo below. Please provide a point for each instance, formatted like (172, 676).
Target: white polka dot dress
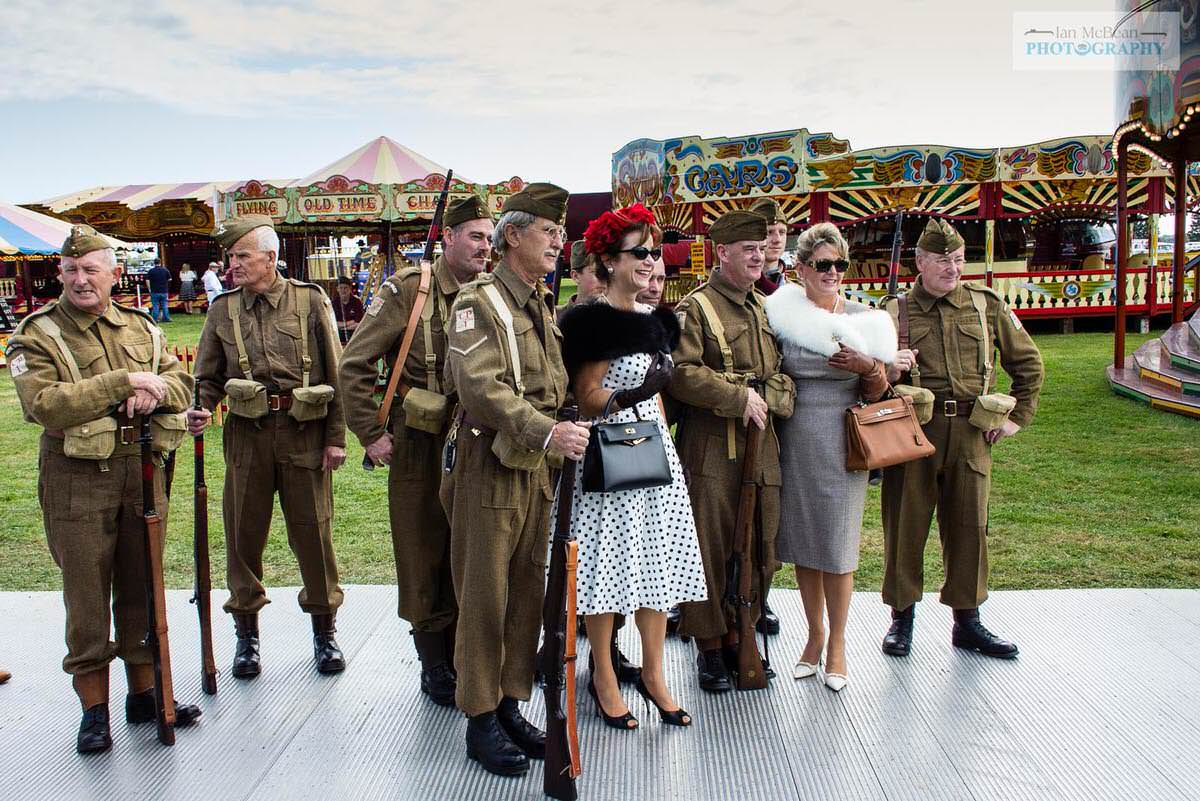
(637, 548)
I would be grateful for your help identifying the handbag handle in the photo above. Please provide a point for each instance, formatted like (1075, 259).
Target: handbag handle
(608, 407)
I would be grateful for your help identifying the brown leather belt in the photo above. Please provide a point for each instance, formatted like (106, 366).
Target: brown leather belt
(467, 421)
(280, 402)
(953, 407)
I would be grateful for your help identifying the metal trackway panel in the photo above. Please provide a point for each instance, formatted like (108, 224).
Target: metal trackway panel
(1104, 703)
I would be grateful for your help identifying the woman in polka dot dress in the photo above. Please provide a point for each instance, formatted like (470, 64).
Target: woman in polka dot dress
(638, 552)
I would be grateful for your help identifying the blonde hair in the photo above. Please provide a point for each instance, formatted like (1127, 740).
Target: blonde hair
(821, 234)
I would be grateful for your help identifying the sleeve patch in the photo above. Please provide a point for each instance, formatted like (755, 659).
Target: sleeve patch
(682, 317)
(1016, 321)
(376, 305)
(16, 365)
(467, 351)
(464, 320)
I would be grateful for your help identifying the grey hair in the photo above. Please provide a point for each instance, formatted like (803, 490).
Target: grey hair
(821, 234)
(266, 240)
(509, 219)
(110, 258)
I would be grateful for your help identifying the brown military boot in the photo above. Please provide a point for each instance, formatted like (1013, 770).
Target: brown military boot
(92, 689)
(325, 648)
(246, 661)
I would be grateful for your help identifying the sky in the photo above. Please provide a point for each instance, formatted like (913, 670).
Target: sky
(152, 92)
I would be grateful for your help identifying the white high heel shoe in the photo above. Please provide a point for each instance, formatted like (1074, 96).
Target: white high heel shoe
(836, 681)
(803, 669)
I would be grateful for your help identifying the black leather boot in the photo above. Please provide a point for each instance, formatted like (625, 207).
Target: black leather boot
(673, 620)
(898, 640)
(437, 679)
(712, 673)
(627, 672)
(325, 648)
(768, 621)
(246, 661)
(970, 634)
(139, 708)
(94, 735)
(488, 745)
(524, 735)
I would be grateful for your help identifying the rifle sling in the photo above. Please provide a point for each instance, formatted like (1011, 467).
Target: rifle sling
(410, 330)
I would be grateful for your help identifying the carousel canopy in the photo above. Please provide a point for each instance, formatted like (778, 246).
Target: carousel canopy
(380, 161)
(28, 233)
(139, 196)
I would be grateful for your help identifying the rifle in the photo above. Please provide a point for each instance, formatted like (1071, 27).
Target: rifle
(740, 573)
(894, 264)
(156, 598)
(202, 588)
(558, 651)
(431, 237)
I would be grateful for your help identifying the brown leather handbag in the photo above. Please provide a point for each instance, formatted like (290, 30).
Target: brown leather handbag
(884, 433)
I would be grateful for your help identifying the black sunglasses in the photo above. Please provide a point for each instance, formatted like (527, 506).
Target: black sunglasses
(640, 253)
(825, 265)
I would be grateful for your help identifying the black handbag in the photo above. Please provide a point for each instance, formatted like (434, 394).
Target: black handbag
(625, 456)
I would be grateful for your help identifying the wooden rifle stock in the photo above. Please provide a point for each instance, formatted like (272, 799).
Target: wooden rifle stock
(558, 647)
(156, 598)
(894, 264)
(751, 675)
(431, 237)
(202, 588)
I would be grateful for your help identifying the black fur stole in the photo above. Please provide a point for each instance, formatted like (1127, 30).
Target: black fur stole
(594, 332)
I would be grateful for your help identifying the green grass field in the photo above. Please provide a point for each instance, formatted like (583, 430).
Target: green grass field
(1098, 492)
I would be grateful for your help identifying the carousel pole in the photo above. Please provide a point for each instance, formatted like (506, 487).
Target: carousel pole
(989, 250)
(1181, 199)
(1151, 268)
(27, 285)
(1122, 252)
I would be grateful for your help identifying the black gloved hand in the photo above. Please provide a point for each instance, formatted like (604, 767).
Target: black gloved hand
(658, 375)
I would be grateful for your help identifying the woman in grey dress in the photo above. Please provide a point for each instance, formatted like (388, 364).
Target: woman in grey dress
(836, 350)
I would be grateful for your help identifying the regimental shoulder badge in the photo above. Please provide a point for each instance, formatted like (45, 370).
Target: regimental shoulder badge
(375, 305)
(16, 365)
(1016, 321)
(464, 320)
(681, 316)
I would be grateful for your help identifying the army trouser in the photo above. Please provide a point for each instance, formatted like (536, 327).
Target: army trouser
(277, 454)
(500, 520)
(955, 480)
(97, 536)
(714, 484)
(420, 531)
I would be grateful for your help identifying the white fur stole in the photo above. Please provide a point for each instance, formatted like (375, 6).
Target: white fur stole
(798, 320)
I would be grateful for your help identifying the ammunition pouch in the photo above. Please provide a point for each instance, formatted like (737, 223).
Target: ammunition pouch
(311, 403)
(425, 410)
(246, 398)
(922, 400)
(779, 391)
(992, 410)
(167, 431)
(95, 439)
(514, 455)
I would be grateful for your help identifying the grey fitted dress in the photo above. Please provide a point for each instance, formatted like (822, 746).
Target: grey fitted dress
(821, 506)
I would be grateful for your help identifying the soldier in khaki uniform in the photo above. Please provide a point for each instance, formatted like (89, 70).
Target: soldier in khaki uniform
(505, 361)
(271, 345)
(773, 267)
(412, 448)
(953, 330)
(721, 394)
(86, 370)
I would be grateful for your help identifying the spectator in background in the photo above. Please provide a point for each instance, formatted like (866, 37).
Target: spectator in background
(653, 293)
(282, 266)
(187, 287)
(212, 281)
(347, 308)
(160, 285)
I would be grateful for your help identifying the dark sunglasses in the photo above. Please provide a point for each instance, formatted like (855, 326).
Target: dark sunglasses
(640, 253)
(825, 265)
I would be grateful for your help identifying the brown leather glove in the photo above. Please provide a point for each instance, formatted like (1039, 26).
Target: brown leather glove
(851, 361)
(658, 375)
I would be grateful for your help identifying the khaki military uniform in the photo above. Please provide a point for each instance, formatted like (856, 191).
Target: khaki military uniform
(275, 453)
(92, 509)
(420, 530)
(956, 479)
(500, 515)
(712, 440)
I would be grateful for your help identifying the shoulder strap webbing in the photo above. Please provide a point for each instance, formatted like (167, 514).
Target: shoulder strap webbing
(302, 307)
(914, 374)
(51, 329)
(493, 295)
(979, 299)
(713, 321)
(410, 328)
(236, 319)
(431, 380)
(156, 343)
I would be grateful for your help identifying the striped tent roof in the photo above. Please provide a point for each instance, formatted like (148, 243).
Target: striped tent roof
(380, 161)
(139, 196)
(26, 232)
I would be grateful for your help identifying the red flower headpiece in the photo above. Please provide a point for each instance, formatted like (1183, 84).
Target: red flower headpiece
(610, 226)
